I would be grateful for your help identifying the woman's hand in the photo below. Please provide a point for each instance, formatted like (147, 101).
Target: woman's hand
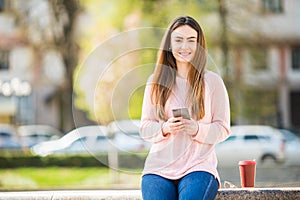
(175, 124)
(190, 126)
(172, 126)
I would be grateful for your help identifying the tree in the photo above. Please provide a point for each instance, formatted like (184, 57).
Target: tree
(51, 25)
(66, 43)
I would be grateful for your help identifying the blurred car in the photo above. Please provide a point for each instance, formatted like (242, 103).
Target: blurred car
(8, 138)
(126, 135)
(291, 148)
(82, 140)
(33, 134)
(264, 144)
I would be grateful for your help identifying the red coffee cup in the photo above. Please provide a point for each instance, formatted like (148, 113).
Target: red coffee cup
(247, 172)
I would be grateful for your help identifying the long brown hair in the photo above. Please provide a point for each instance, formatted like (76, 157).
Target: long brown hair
(165, 71)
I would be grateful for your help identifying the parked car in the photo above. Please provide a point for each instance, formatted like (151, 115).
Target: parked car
(33, 134)
(264, 144)
(292, 148)
(126, 135)
(82, 140)
(8, 138)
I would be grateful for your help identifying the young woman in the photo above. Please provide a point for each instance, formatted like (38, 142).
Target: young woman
(182, 163)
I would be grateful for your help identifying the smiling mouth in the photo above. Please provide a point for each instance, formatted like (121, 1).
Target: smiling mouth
(184, 53)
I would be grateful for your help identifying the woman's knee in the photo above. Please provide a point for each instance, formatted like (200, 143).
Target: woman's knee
(157, 187)
(198, 185)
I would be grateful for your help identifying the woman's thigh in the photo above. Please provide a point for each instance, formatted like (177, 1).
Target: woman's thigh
(156, 187)
(198, 185)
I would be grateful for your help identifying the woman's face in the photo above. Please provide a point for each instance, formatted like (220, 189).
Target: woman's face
(184, 43)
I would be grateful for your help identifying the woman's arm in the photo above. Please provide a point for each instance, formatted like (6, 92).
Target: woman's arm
(219, 128)
(151, 126)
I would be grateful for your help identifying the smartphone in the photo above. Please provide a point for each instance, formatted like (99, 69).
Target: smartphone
(181, 112)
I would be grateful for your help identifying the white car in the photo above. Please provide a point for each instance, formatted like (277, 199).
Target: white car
(82, 140)
(292, 148)
(264, 144)
(8, 138)
(126, 135)
(31, 135)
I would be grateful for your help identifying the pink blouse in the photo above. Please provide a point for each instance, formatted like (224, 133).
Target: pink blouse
(175, 155)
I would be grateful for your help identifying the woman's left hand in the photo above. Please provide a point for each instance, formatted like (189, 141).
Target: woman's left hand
(190, 126)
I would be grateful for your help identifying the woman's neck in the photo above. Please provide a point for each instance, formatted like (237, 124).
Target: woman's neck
(182, 69)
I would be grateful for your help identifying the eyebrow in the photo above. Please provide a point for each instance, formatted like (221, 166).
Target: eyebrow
(192, 37)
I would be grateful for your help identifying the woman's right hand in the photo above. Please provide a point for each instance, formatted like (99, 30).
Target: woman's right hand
(172, 126)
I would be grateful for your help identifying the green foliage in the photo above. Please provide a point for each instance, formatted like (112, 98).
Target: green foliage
(63, 176)
(260, 106)
(133, 160)
(49, 178)
(20, 160)
(135, 103)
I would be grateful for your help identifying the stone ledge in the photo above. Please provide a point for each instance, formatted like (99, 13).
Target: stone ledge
(235, 194)
(259, 193)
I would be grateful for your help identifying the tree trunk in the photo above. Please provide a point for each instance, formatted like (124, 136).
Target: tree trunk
(69, 51)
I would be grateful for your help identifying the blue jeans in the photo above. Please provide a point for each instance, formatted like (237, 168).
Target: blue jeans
(196, 185)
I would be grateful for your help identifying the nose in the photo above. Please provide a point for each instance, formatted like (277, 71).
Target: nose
(184, 44)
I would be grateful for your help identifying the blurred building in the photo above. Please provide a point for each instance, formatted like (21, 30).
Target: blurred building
(28, 77)
(263, 38)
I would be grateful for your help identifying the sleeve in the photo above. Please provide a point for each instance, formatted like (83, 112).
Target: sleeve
(219, 128)
(151, 126)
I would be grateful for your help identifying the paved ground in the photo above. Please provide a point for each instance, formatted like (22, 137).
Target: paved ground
(278, 176)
